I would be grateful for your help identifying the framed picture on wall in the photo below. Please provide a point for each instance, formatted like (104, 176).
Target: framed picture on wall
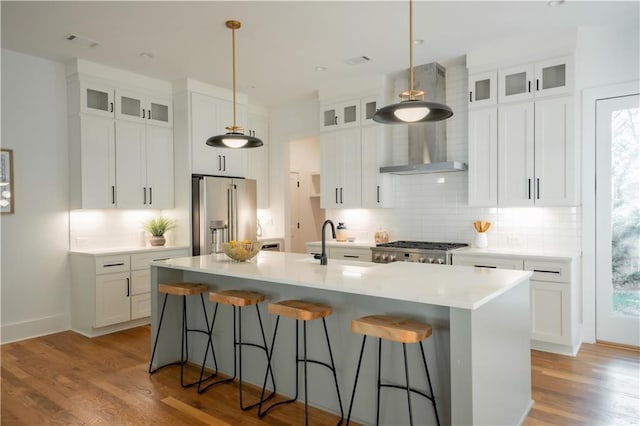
(6, 181)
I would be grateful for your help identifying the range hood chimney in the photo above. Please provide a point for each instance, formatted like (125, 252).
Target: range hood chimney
(428, 141)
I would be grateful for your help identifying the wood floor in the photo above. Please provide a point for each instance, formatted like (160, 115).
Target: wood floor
(66, 378)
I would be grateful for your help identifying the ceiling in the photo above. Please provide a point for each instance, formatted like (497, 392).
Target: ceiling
(280, 44)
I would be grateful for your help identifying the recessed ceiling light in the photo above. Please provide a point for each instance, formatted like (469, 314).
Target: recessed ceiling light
(319, 68)
(554, 3)
(146, 55)
(417, 42)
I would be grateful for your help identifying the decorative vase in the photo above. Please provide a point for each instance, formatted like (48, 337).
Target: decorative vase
(481, 240)
(157, 240)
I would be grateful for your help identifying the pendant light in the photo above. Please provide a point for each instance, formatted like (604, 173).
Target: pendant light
(412, 108)
(235, 137)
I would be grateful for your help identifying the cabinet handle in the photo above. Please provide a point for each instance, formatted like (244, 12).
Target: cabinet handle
(224, 163)
(537, 85)
(538, 188)
(111, 106)
(113, 194)
(486, 266)
(162, 258)
(350, 256)
(335, 120)
(341, 202)
(470, 97)
(219, 163)
(378, 193)
(128, 287)
(143, 113)
(529, 188)
(149, 114)
(144, 196)
(108, 265)
(336, 195)
(150, 195)
(529, 86)
(544, 271)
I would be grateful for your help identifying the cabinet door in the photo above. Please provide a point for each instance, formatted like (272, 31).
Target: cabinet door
(97, 99)
(349, 114)
(554, 76)
(140, 306)
(130, 170)
(112, 299)
(376, 189)
(349, 163)
(516, 83)
(329, 171)
(516, 155)
(550, 316)
(555, 183)
(328, 117)
(258, 159)
(130, 105)
(141, 281)
(489, 262)
(483, 157)
(483, 89)
(159, 167)
(368, 107)
(98, 159)
(158, 112)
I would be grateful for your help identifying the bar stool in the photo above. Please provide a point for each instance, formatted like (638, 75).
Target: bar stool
(183, 290)
(237, 299)
(395, 329)
(301, 310)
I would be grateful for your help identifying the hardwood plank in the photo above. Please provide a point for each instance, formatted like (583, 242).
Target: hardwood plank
(193, 412)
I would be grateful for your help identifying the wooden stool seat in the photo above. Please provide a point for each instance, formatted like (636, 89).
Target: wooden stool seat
(300, 309)
(397, 329)
(182, 289)
(236, 297)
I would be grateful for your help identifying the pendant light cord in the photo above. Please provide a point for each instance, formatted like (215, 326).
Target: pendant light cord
(410, 49)
(233, 60)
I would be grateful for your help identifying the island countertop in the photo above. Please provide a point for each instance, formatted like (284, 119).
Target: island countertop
(443, 285)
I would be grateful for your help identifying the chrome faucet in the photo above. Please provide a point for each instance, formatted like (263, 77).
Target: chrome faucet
(323, 256)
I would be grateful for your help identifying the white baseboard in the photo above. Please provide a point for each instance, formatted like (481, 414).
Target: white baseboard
(33, 328)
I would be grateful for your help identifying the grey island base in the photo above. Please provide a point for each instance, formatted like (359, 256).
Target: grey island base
(478, 355)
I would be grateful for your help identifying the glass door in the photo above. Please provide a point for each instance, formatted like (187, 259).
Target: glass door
(618, 220)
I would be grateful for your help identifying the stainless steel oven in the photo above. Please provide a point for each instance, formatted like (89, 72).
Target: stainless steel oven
(414, 251)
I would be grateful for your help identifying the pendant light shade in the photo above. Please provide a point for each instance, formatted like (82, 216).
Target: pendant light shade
(235, 137)
(412, 108)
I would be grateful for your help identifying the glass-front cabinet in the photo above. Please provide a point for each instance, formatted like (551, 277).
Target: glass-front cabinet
(545, 78)
(136, 106)
(483, 89)
(340, 116)
(96, 98)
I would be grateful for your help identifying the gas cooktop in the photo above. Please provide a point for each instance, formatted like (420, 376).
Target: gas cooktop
(422, 245)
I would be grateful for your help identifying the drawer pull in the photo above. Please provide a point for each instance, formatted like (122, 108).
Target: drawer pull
(107, 265)
(485, 266)
(351, 256)
(544, 271)
(162, 258)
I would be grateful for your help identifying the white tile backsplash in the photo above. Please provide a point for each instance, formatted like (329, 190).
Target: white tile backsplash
(431, 211)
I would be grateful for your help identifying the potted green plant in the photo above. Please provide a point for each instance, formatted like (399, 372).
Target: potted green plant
(157, 226)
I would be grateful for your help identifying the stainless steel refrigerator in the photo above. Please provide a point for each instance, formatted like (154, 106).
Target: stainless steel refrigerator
(223, 209)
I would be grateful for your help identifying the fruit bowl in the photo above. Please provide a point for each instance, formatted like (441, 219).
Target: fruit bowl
(241, 251)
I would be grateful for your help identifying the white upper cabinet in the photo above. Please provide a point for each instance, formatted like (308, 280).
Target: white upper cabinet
(545, 78)
(376, 187)
(97, 98)
(483, 157)
(209, 117)
(258, 158)
(136, 106)
(340, 115)
(368, 107)
(340, 169)
(483, 89)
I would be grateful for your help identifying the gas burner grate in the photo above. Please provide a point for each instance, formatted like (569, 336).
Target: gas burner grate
(422, 245)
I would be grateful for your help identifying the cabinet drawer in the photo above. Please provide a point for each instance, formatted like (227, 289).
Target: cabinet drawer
(140, 281)
(140, 306)
(548, 271)
(142, 260)
(488, 262)
(363, 255)
(111, 264)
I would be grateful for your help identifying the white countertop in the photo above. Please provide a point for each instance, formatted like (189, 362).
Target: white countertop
(518, 253)
(452, 286)
(127, 250)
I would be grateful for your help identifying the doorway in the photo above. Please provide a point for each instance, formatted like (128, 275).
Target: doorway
(617, 220)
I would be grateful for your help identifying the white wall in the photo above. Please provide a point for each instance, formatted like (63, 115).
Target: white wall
(35, 240)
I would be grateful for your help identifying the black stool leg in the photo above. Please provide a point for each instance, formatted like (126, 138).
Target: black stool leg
(209, 345)
(355, 383)
(379, 385)
(433, 397)
(155, 344)
(406, 376)
(228, 379)
(306, 389)
(184, 342)
(333, 369)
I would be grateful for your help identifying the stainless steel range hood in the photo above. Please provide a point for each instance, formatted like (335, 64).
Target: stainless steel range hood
(428, 141)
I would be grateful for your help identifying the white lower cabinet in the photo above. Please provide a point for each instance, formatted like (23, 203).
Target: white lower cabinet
(359, 253)
(554, 297)
(113, 292)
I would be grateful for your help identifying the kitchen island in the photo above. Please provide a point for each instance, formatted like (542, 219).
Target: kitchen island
(478, 354)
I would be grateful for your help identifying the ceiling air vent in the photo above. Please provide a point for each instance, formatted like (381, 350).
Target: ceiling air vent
(358, 60)
(81, 41)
